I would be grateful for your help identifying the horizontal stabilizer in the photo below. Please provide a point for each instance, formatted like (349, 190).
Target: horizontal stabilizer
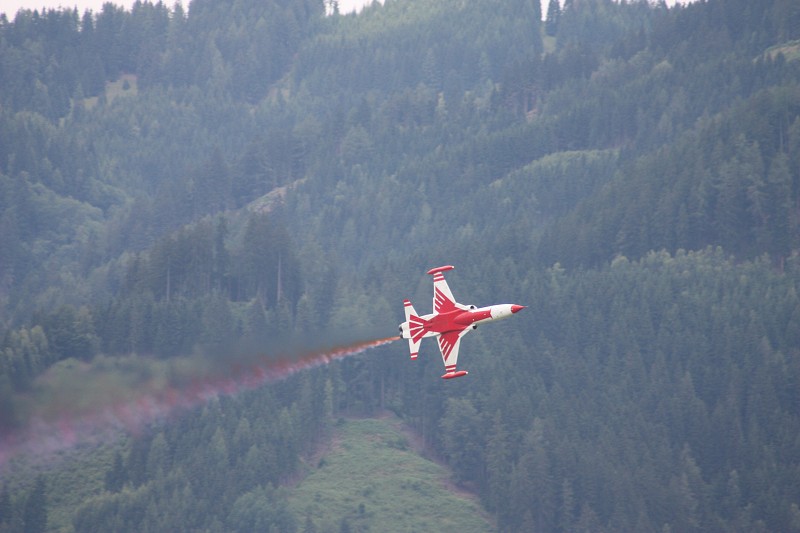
(413, 347)
(416, 328)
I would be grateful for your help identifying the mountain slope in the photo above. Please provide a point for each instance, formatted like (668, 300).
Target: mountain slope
(635, 182)
(372, 480)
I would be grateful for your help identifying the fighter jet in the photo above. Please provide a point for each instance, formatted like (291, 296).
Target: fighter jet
(449, 322)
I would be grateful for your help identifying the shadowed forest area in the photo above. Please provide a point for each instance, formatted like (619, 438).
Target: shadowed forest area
(177, 180)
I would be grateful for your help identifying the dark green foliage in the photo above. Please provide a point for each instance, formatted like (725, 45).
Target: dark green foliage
(117, 476)
(262, 169)
(553, 16)
(262, 509)
(236, 450)
(69, 333)
(724, 182)
(34, 515)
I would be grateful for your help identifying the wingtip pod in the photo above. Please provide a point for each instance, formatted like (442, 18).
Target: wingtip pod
(451, 375)
(440, 269)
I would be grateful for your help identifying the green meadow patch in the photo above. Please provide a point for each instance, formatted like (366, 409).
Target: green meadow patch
(126, 85)
(371, 480)
(790, 50)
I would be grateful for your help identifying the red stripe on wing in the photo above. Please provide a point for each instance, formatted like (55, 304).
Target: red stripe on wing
(447, 343)
(441, 303)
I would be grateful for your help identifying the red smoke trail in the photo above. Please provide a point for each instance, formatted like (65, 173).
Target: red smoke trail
(56, 425)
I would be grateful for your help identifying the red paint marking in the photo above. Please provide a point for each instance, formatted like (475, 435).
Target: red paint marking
(440, 269)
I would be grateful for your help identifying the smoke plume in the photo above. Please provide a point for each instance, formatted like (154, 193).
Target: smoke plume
(76, 403)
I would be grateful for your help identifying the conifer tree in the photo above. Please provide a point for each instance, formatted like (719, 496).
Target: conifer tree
(34, 514)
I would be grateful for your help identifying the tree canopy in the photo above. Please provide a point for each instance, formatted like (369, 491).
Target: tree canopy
(177, 179)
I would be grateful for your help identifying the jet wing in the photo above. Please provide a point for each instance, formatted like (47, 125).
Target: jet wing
(449, 344)
(443, 300)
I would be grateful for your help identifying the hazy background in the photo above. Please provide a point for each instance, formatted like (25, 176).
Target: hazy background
(10, 7)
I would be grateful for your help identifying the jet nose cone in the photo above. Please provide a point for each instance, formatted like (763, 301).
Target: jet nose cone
(515, 308)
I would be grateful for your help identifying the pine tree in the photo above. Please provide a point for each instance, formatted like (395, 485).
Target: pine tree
(498, 466)
(34, 514)
(5, 507)
(553, 16)
(116, 476)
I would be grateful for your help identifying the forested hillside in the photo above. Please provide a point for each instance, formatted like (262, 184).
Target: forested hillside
(191, 179)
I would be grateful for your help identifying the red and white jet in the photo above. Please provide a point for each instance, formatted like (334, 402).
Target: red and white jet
(449, 322)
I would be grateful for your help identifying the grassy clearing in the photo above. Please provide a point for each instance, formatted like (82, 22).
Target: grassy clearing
(126, 85)
(371, 479)
(790, 51)
(548, 42)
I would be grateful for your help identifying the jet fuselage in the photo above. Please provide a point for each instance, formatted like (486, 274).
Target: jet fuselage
(459, 320)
